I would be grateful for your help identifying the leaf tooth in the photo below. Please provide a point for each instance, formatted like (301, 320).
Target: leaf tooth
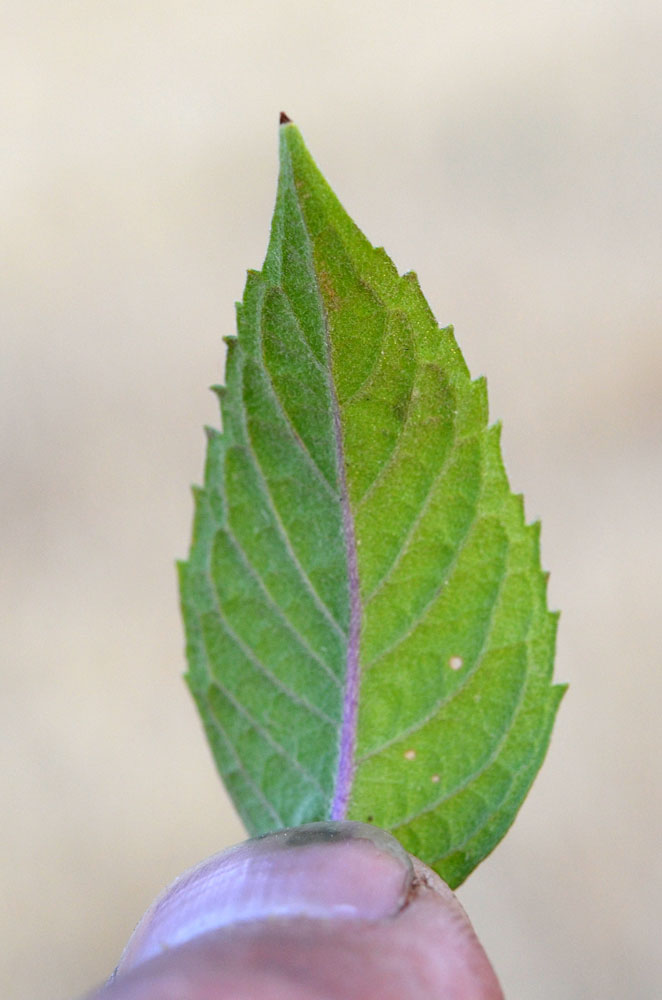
(518, 507)
(479, 387)
(555, 616)
(534, 528)
(385, 261)
(199, 502)
(415, 299)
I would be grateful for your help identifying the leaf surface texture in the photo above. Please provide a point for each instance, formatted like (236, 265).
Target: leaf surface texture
(367, 630)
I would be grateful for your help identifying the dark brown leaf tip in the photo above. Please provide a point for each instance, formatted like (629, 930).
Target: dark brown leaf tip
(284, 119)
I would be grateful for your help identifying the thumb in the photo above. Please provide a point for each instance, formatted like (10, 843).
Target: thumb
(319, 912)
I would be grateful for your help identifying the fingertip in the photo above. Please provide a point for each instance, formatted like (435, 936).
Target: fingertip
(333, 871)
(325, 912)
(436, 921)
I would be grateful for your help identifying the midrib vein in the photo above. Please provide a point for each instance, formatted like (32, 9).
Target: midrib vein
(348, 727)
(346, 763)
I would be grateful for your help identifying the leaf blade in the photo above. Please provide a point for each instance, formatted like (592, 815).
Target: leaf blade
(357, 536)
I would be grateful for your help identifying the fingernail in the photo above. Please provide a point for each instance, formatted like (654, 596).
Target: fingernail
(343, 871)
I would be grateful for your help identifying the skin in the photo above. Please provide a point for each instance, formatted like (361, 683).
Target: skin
(425, 950)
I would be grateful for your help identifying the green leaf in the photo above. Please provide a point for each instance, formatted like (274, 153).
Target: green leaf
(367, 629)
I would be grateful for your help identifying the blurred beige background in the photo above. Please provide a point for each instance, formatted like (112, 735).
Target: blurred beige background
(510, 152)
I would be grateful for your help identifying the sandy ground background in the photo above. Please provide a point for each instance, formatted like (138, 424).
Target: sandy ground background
(510, 152)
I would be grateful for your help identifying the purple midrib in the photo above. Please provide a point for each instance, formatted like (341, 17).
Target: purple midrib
(348, 726)
(345, 775)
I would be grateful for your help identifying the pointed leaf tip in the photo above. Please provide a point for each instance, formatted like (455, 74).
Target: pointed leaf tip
(284, 119)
